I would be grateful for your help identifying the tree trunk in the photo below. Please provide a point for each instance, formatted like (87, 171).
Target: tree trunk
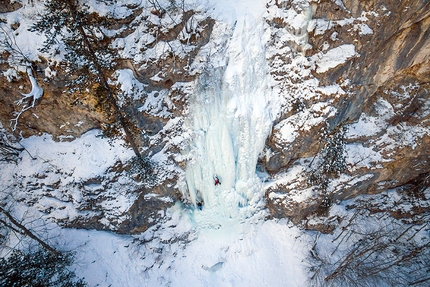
(23, 230)
(104, 82)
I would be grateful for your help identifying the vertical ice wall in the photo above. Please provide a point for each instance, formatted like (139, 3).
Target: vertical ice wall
(230, 119)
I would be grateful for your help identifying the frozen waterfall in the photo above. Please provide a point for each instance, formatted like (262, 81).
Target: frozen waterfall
(230, 119)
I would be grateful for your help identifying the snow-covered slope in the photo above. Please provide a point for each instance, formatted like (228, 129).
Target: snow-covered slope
(286, 103)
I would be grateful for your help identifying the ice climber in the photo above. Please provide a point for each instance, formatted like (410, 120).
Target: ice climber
(217, 182)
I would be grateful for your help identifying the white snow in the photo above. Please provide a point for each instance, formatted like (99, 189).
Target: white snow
(359, 155)
(129, 85)
(36, 91)
(83, 158)
(11, 75)
(331, 90)
(23, 41)
(365, 30)
(247, 255)
(366, 126)
(321, 25)
(334, 57)
(231, 108)
(231, 11)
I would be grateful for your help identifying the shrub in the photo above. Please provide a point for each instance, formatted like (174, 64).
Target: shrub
(331, 164)
(38, 268)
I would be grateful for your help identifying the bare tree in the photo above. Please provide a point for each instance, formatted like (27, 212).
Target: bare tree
(10, 222)
(26, 266)
(374, 246)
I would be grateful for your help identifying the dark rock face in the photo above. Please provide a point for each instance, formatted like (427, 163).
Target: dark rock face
(149, 208)
(62, 115)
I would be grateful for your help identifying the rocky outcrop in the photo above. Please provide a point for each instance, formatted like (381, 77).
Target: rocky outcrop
(149, 208)
(63, 115)
(67, 115)
(387, 82)
(9, 6)
(156, 47)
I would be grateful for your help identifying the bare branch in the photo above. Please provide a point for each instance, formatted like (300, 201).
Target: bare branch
(27, 232)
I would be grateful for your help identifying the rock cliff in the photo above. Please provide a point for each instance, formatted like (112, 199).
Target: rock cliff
(372, 107)
(385, 81)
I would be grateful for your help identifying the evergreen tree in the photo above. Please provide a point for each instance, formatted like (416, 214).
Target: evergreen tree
(39, 268)
(68, 23)
(88, 55)
(44, 266)
(331, 165)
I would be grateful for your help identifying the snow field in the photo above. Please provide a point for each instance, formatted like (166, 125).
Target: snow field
(247, 254)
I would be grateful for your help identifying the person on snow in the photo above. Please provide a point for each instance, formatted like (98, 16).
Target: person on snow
(217, 182)
(200, 205)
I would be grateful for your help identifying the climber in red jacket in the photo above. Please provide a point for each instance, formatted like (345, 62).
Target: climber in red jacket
(217, 182)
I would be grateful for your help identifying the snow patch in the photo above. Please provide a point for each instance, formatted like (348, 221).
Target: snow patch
(83, 158)
(334, 57)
